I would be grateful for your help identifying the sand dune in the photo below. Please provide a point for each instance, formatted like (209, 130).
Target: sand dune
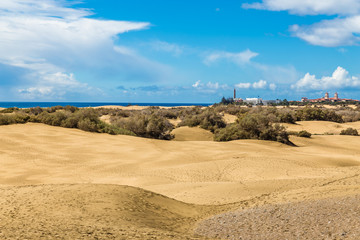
(89, 211)
(226, 176)
(335, 218)
(192, 134)
(321, 127)
(221, 172)
(228, 118)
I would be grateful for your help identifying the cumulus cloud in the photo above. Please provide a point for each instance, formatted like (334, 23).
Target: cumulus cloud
(272, 86)
(340, 79)
(261, 84)
(49, 85)
(309, 7)
(330, 33)
(237, 58)
(210, 86)
(340, 31)
(243, 85)
(51, 39)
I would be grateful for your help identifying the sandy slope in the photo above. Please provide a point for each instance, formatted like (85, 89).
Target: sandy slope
(195, 171)
(334, 218)
(321, 127)
(89, 211)
(245, 173)
(228, 118)
(192, 134)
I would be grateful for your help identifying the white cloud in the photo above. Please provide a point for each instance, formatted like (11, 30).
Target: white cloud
(50, 41)
(210, 86)
(237, 58)
(243, 85)
(330, 33)
(197, 84)
(340, 79)
(272, 86)
(260, 84)
(309, 7)
(172, 48)
(340, 31)
(53, 85)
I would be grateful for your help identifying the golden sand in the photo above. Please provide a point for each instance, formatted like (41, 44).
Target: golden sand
(321, 127)
(67, 183)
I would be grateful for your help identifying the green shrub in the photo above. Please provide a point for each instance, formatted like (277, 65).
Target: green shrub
(207, 119)
(304, 134)
(350, 131)
(18, 117)
(6, 120)
(87, 125)
(151, 125)
(230, 132)
(113, 130)
(9, 110)
(253, 126)
(311, 114)
(35, 110)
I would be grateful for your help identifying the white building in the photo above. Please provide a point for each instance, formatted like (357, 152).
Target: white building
(254, 101)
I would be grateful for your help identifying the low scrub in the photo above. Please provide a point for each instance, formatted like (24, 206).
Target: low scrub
(304, 134)
(18, 117)
(151, 125)
(349, 131)
(253, 126)
(207, 119)
(9, 110)
(69, 117)
(317, 114)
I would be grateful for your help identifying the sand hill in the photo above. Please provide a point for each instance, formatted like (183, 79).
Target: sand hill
(90, 211)
(192, 134)
(73, 181)
(321, 127)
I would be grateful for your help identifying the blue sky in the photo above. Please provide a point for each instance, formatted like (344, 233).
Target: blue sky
(177, 51)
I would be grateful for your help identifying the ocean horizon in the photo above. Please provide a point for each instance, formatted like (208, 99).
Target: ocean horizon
(93, 104)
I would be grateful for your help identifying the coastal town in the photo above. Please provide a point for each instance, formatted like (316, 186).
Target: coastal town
(325, 99)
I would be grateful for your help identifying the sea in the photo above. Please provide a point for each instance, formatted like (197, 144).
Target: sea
(93, 104)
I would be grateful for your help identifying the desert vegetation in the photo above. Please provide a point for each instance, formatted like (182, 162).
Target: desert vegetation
(253, 126)
(350, 131)
(253, 122)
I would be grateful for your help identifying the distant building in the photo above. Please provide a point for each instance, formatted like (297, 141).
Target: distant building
(328, 99)
(254, 101)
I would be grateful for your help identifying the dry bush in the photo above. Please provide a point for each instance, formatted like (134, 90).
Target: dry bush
(142, 124)
(253, 126)
(207, 119)
(349, 115)
(304, 134)
(318, 114)
(350, 131)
